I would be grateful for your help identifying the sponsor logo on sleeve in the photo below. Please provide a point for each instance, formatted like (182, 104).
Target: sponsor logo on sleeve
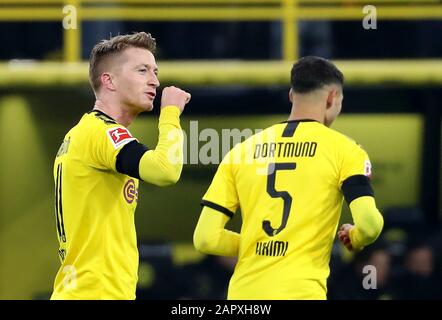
(130, 192)
(367, 168)
(119, 136)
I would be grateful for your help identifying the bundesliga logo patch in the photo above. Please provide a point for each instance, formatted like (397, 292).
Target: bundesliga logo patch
(119, 136)
(367, 168)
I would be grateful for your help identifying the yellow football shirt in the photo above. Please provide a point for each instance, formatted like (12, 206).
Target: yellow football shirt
(287, 182)
(95, 208)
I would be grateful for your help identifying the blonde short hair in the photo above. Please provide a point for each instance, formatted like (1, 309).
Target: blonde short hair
(115, 46)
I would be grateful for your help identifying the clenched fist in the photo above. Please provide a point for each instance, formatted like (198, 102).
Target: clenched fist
(344, 235)
(173, 96)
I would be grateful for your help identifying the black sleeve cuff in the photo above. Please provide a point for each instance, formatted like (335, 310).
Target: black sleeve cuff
(355, 187)
(217, 207)
(128, 159)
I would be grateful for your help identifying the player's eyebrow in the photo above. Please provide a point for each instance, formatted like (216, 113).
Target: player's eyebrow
(147, 66)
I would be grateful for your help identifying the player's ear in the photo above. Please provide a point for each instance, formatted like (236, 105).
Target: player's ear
(107, 81)
(331, 97)
(291, 95)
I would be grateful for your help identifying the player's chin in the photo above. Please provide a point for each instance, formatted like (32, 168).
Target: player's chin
(147, 106)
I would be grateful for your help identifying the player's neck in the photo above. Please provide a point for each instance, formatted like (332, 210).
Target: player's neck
(302, 112)
(120, 115)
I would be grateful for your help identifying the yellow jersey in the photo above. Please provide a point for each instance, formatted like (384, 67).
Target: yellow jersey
(287, 181)
(95, 208)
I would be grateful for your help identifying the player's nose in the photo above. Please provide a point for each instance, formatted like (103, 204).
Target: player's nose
(153, 81)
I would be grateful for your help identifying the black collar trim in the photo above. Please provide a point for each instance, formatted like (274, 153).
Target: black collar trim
(300, 120)
(103, 114)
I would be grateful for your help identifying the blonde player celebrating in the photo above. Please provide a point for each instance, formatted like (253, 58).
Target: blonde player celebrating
(98, 167)
(290, 213)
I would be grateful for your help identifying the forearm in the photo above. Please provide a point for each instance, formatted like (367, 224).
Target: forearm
(211, 237)
(163, 165)
(368, 222)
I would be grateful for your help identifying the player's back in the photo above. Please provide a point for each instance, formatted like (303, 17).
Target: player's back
(95, 213)
(288, 186)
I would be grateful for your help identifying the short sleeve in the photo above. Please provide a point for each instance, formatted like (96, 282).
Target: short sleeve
(355, 162)
(355, 174)
(105, 144)
(222, 195)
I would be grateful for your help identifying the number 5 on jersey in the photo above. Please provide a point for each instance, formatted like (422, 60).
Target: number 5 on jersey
(271, 178)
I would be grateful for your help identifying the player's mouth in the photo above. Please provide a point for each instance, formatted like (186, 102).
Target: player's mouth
(150, 94)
